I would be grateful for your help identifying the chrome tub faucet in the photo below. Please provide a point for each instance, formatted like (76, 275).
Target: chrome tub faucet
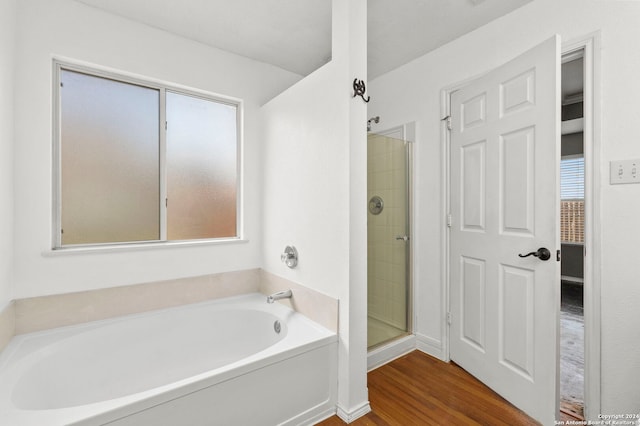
(284, 294)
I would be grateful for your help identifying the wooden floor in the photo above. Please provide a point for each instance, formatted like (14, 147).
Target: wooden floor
(417, 389)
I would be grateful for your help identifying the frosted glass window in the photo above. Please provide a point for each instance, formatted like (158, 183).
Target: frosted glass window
(201, 168)
(110, 160)
(139, 161)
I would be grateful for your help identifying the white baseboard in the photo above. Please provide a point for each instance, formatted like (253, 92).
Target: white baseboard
(430, 346)
(354, 414)
(574, 280)
(391, 351)
(312, 418)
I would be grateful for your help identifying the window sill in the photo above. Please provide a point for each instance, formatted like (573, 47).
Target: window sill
(109, 248)
(572, 126)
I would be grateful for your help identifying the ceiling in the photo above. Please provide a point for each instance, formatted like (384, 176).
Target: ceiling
(296, 34)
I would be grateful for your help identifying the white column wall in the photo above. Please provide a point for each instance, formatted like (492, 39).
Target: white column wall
(315, 191)
(7, 59)
(413, 93)
(69, 29)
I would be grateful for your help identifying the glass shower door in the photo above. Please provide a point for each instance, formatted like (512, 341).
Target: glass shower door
(388, 231)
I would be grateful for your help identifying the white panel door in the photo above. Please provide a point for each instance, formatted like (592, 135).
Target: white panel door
(505, 152)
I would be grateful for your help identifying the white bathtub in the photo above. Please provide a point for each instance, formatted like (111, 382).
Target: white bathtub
(212, 363)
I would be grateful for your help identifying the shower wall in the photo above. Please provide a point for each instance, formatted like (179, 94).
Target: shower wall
(387, 281)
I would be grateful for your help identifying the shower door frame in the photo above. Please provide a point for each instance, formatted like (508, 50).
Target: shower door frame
(390, 349)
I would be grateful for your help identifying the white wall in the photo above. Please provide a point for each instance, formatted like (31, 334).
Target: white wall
(64, 28)
(412, 92)
(7, 52)
(315, 190)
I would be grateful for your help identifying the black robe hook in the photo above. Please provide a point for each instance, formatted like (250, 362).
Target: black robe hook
(359, 88)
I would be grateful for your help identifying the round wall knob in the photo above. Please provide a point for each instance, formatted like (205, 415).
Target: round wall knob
(290, 256)
(376, 205)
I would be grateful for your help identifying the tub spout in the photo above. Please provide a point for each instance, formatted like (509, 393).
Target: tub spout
(285, 294)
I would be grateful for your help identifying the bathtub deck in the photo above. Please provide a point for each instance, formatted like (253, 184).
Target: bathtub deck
(417, 389)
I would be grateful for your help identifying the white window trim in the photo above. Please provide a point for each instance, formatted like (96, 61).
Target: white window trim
(136, 246)
(162, 86)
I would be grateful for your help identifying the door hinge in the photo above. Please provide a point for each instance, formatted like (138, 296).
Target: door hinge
(449, 220)
(449, 318)
(447, 119)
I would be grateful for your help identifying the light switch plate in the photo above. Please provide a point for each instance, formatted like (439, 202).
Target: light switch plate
(624, 171)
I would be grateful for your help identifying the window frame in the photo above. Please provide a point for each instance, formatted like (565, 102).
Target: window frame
(162, 87)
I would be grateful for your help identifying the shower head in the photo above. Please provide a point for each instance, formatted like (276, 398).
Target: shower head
(375, 119)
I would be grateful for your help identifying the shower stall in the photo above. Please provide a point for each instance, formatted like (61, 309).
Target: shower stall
(389, 236)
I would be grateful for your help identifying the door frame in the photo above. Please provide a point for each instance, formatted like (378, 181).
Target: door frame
(590, 47)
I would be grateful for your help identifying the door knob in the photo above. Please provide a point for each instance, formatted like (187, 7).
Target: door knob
(542, 253)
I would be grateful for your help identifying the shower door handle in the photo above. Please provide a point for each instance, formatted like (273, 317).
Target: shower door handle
(404, 238)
